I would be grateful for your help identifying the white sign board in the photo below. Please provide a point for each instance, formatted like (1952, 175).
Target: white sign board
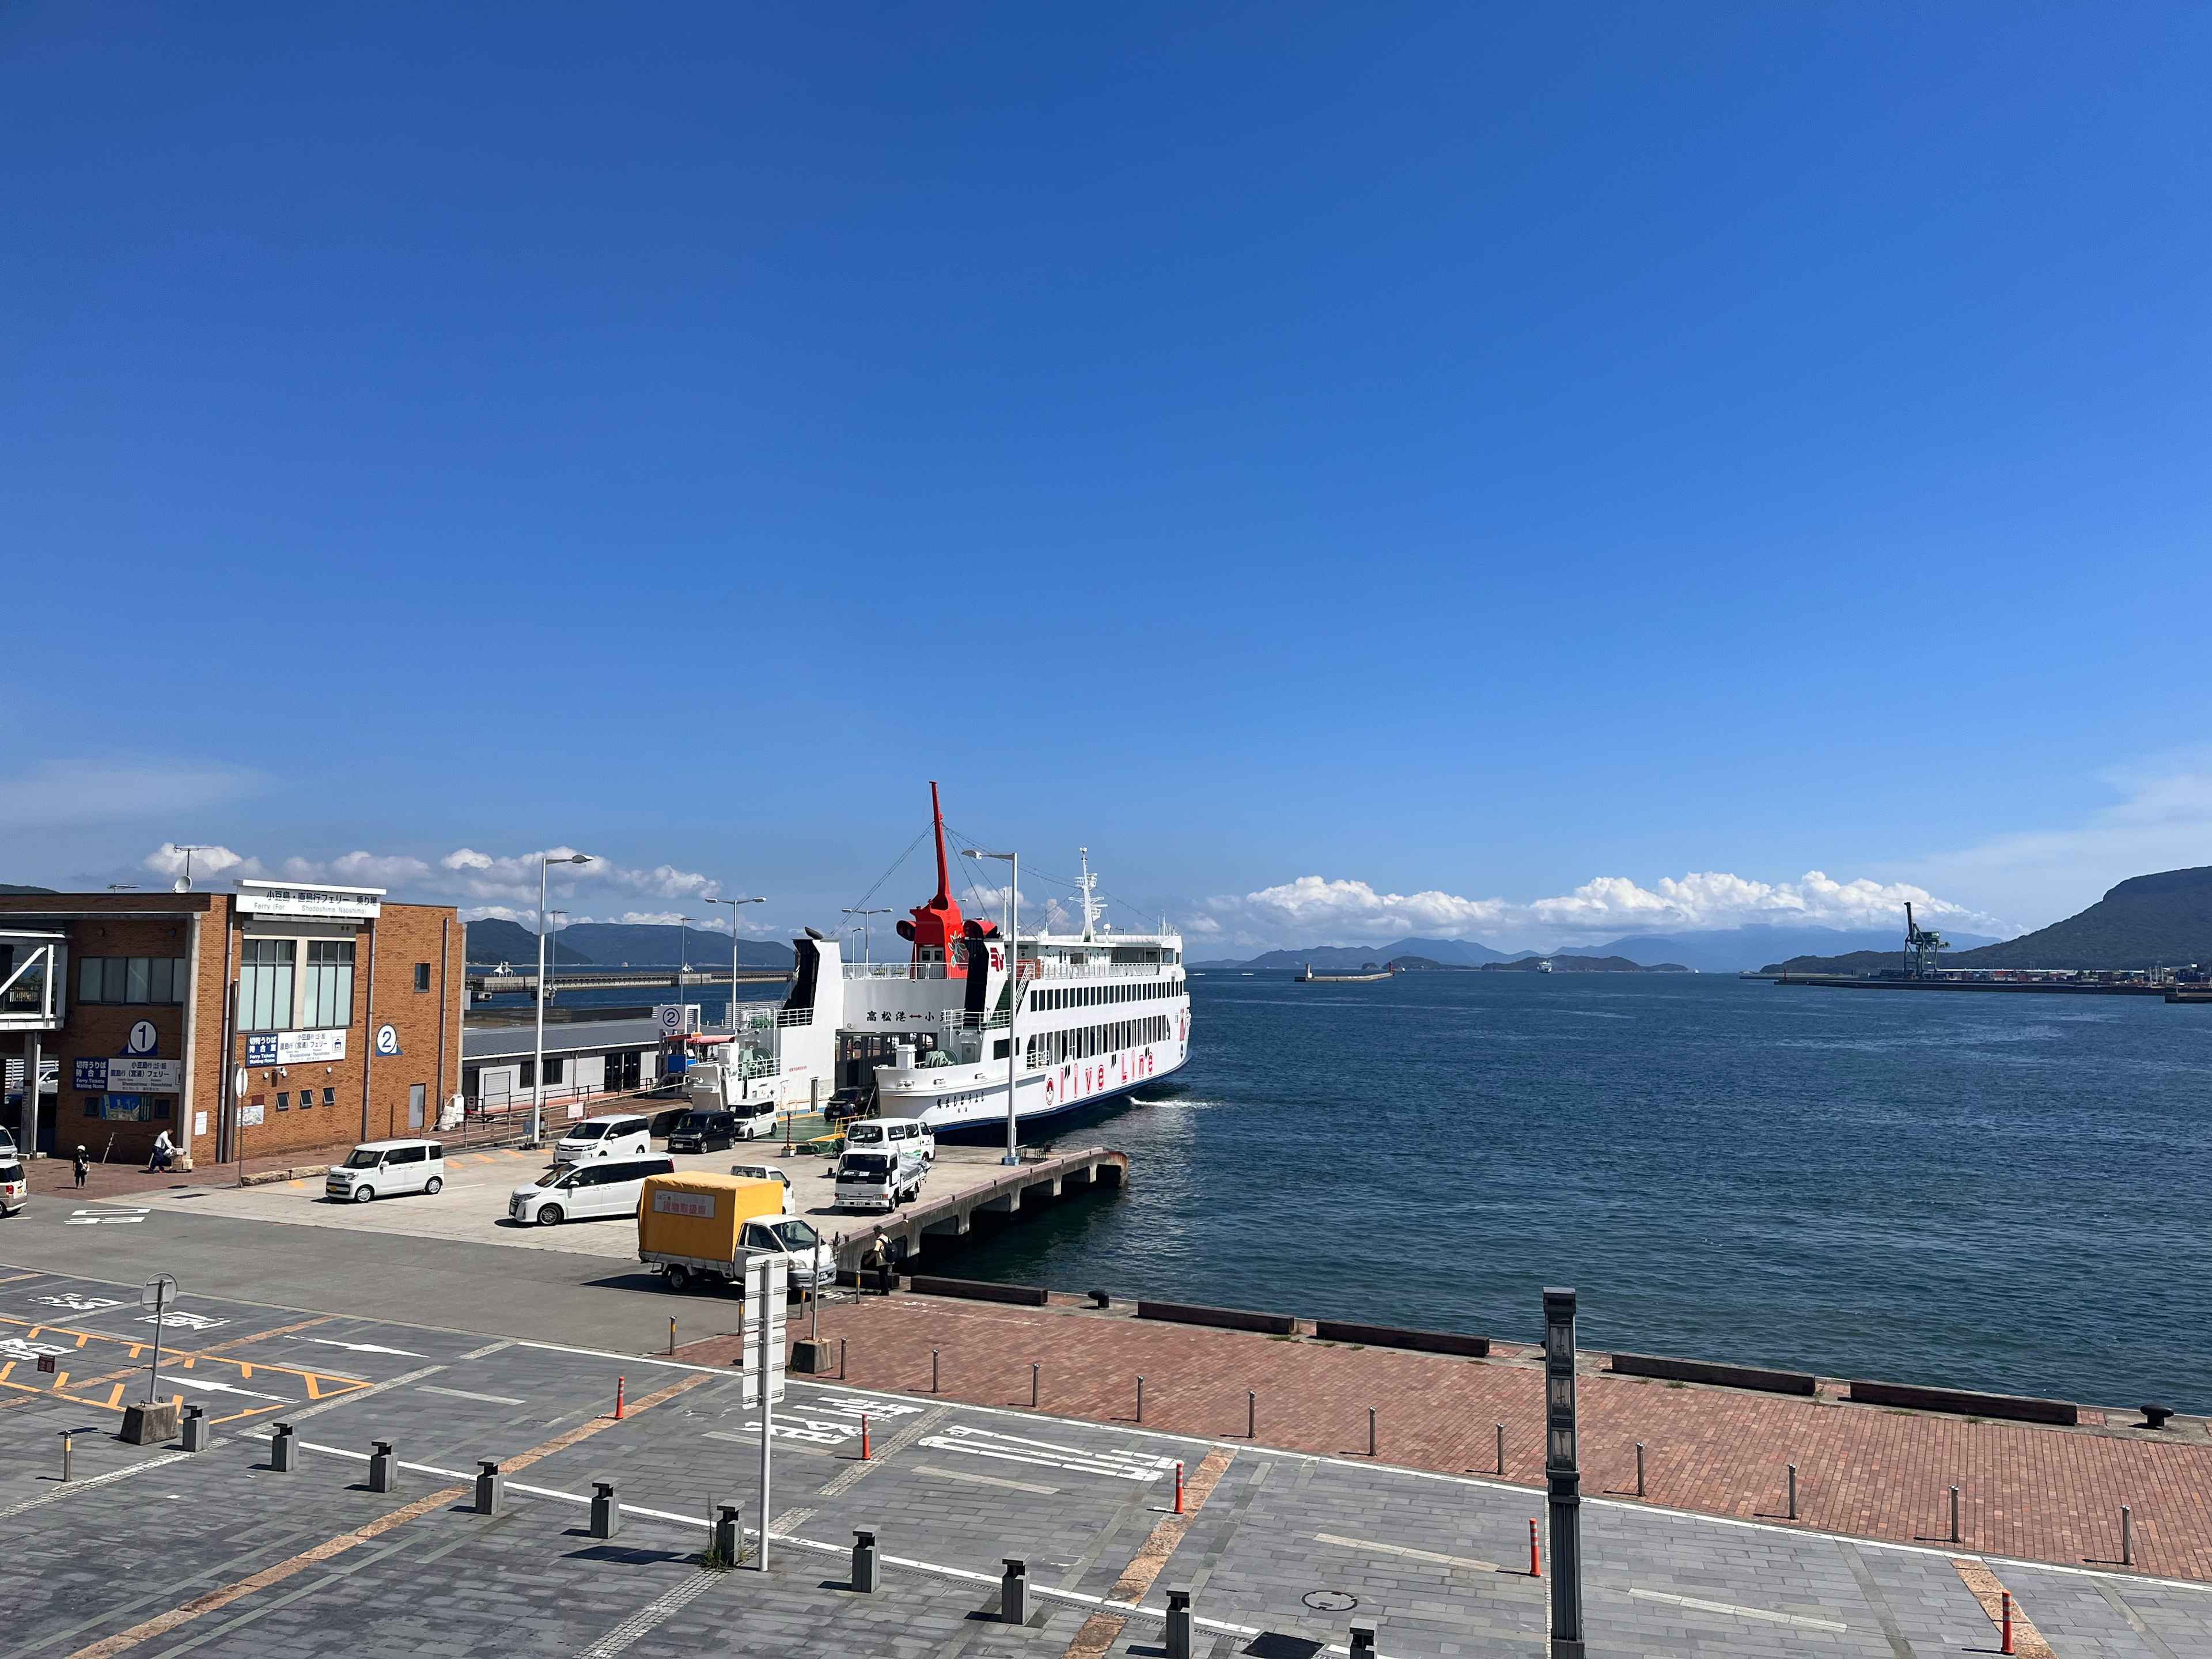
(677, 1017)
(279, 898)
(153, 1077)
(294, 1048)
(766, 1303)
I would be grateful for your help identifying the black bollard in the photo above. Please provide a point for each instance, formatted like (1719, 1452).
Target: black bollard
(1362, 1642)
(1178, 1638)
(383, 1469)
(195, 1429)
(729, 1541)
(492, 1486)
(284, 1451)
(864, 1563)
(1013, 1593)
(606, 1515)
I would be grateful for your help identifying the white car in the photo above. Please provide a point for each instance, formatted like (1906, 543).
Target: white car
(15, 1186)
(618, 1135)
(585, 1192)
(768, 1172)
(378, 1168)
(805, 1251)
(909, 1136)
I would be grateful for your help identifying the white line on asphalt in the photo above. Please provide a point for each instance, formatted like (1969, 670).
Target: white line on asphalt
(489, 1349)
(76, 1487)
(357, 1347)
(463, 1394)
(1410, 1554)
(185, 1382)
(984, 1479)
(400, 1382)
(1692, 1601)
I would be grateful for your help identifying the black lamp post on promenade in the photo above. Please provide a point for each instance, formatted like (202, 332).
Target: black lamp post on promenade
(1561, 1475)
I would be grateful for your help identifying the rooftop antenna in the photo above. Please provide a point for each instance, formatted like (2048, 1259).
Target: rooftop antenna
(183, 883)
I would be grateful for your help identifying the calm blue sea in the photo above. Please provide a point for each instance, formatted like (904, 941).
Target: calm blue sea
(1980, 1191)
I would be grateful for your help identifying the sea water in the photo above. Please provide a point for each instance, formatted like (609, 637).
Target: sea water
(2002, 1192)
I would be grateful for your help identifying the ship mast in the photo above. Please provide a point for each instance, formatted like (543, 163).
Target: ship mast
(1088, 886)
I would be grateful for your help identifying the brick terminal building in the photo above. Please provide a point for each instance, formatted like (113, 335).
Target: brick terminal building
(342, 1013)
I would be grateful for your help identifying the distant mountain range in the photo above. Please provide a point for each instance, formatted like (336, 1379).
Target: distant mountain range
(2143, 922)
(619, 944)
(1708, 951)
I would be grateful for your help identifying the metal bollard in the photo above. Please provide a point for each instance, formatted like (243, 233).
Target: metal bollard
(1013, 1593)
(1639, 1468)
(671, 1336)
(195, 1428)
(2127, 1536)
(1954, 1515)
(284, 1451)
(492, 1486)
(841, 1360)
(1033, 1385)
(1792, 1492)
(864, 1563)
(1501, 1449)
(1140, 1400)
(1251, 1414)
(1370, 1431)
(383, 1469)
(729, 1541)
(68, 1437)
(933, 1370)
(606, 1514)
(1362, 1642)
(1178, 1637)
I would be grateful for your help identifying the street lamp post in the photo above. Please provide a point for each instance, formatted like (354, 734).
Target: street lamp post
(1013, 979)
(1562, 1474)
(734, 904)
(866, 955)
(538, 1077)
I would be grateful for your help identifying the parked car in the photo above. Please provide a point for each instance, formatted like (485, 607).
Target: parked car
(383, 1167)
(706, 1132)
(907, 1136)
(877, 1180)
(15, 1186)
(585, 1192)
(621, 1134)
(768, 1172)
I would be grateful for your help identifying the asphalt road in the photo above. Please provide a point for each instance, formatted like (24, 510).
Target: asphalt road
(541, 1296)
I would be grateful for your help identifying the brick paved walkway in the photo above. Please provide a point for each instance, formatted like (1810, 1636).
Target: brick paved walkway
(2027, 1492)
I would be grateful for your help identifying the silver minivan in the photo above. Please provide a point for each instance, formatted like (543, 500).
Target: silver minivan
(378, 1168)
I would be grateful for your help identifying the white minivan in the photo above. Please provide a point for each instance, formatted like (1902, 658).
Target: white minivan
(619, 1135)
(909, 1136)
(585, 1192)
(378, 1169)
(768, 1172)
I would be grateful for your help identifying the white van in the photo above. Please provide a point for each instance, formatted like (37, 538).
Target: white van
(770, 1172)
(619, 1135)
(584, 1191)
(378, 1169)
(805, 1251)
(909, 1136)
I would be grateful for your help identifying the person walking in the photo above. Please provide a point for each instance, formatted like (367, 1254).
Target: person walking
(81, 1163)
(163, 1149)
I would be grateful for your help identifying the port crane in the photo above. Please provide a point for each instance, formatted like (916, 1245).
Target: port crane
(1921, 946)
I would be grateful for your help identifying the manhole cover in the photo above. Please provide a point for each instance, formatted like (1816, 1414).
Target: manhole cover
(1331, 1601)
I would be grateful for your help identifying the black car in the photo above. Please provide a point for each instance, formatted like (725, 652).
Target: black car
(703, 1132)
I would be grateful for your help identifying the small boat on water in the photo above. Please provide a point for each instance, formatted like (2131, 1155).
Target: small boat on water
(1307, 976)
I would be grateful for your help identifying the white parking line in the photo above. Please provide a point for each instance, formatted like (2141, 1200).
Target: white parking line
(463, 1394)
(1692, 1602)
(1410, 1554)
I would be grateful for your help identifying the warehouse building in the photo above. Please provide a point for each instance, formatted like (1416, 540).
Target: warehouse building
(280, 1019)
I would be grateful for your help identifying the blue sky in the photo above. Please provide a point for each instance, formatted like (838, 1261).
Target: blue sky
(1445, 456)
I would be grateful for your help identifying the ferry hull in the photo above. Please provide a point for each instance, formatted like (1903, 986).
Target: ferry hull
(976, 1109)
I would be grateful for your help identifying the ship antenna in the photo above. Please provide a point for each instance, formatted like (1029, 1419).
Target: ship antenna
(1088, 886)
(944, 877)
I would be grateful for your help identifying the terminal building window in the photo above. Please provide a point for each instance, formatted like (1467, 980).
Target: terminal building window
(265, 985)
(131, 979)
(329, 999)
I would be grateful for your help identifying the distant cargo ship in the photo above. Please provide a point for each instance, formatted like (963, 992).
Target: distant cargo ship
(1307, 976)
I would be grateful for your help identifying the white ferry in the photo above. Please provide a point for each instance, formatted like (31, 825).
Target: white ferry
(1088, 1015)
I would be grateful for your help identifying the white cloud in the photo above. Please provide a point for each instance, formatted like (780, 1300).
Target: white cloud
(1313, 909)
(204, 862)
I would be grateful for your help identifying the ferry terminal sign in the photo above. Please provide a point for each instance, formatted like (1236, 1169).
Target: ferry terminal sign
(280, 898)
(294, 1048)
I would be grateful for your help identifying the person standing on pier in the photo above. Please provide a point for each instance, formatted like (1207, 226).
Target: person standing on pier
(879, 1259)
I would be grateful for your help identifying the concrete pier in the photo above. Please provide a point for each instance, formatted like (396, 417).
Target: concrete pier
(964, 1182)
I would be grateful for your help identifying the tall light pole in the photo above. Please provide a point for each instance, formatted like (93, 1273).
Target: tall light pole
(183, 883)
(538, 1078)
(734, 904)
(866, 955)
(1562, 1474)
(1013, 979)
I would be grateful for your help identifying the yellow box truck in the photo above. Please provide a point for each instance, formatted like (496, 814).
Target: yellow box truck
(694, 1226)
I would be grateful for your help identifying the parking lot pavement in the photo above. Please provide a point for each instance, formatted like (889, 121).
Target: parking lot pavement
(156, 1552)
